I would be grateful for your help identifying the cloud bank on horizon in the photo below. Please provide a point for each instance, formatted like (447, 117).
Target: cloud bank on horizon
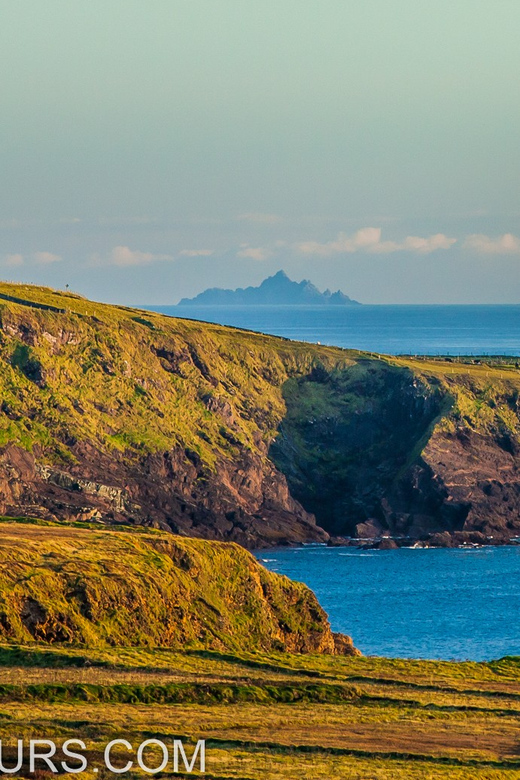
(367, 240)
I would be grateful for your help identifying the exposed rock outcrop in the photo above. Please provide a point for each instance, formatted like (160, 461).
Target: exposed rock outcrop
(246, 501)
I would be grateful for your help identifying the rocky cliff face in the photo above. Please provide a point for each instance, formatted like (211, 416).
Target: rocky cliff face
(464, 482)
(113, 416)
(245, 500)
(406, 451)
(116, 415)
(347, 434)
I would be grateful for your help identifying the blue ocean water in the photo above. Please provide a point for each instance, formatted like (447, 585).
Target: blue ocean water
(414, 603)
(410, 603)
(424, 330)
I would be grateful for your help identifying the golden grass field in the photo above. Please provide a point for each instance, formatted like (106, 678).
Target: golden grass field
(264, 714)
(398, 719)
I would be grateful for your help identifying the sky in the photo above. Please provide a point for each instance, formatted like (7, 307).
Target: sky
(150, 149)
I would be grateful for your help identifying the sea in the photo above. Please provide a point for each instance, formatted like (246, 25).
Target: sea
(390, 330)
(447, 604)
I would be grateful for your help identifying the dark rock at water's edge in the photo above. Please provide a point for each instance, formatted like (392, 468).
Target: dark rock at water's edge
(341, 541)
(441, 539)
(387, 543)
(277, 289)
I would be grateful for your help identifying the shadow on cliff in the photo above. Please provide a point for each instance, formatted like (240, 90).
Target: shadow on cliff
(349, 441)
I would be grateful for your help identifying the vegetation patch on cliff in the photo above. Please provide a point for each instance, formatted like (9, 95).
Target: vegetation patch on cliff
(98, 588)
(79, 370)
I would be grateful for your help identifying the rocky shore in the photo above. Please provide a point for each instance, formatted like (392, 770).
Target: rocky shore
(442, 539)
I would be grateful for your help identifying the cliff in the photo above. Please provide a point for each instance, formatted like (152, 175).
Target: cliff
(406, 448)
(117, 415)
(107, 413)
(104, 588)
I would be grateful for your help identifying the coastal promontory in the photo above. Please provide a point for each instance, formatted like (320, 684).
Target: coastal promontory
(119, 416)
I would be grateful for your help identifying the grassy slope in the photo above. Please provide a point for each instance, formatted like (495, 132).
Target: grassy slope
(106, 587)
(485, 397)
(275, 716)
(140, 381)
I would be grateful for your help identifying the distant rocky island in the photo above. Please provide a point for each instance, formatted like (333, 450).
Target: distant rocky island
(277, 289)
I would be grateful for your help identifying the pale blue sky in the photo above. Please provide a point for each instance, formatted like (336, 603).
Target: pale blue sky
(150, 149)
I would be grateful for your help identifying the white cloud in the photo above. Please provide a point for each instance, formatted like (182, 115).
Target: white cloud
(43, 258)
(13, 260)
(46, 258)
(196, 252)
(123, 256)
(418, 244)
(254, 252)
(369, 240)
(507, 244)
(260, 218)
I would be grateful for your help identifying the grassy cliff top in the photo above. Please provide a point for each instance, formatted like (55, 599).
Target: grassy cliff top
(121, 378)
(103, 588)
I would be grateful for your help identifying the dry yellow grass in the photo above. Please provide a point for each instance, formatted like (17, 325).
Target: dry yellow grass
(427, 720)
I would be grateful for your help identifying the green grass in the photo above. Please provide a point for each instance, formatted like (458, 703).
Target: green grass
(142, 382)
(101, 587)
(119, 380)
